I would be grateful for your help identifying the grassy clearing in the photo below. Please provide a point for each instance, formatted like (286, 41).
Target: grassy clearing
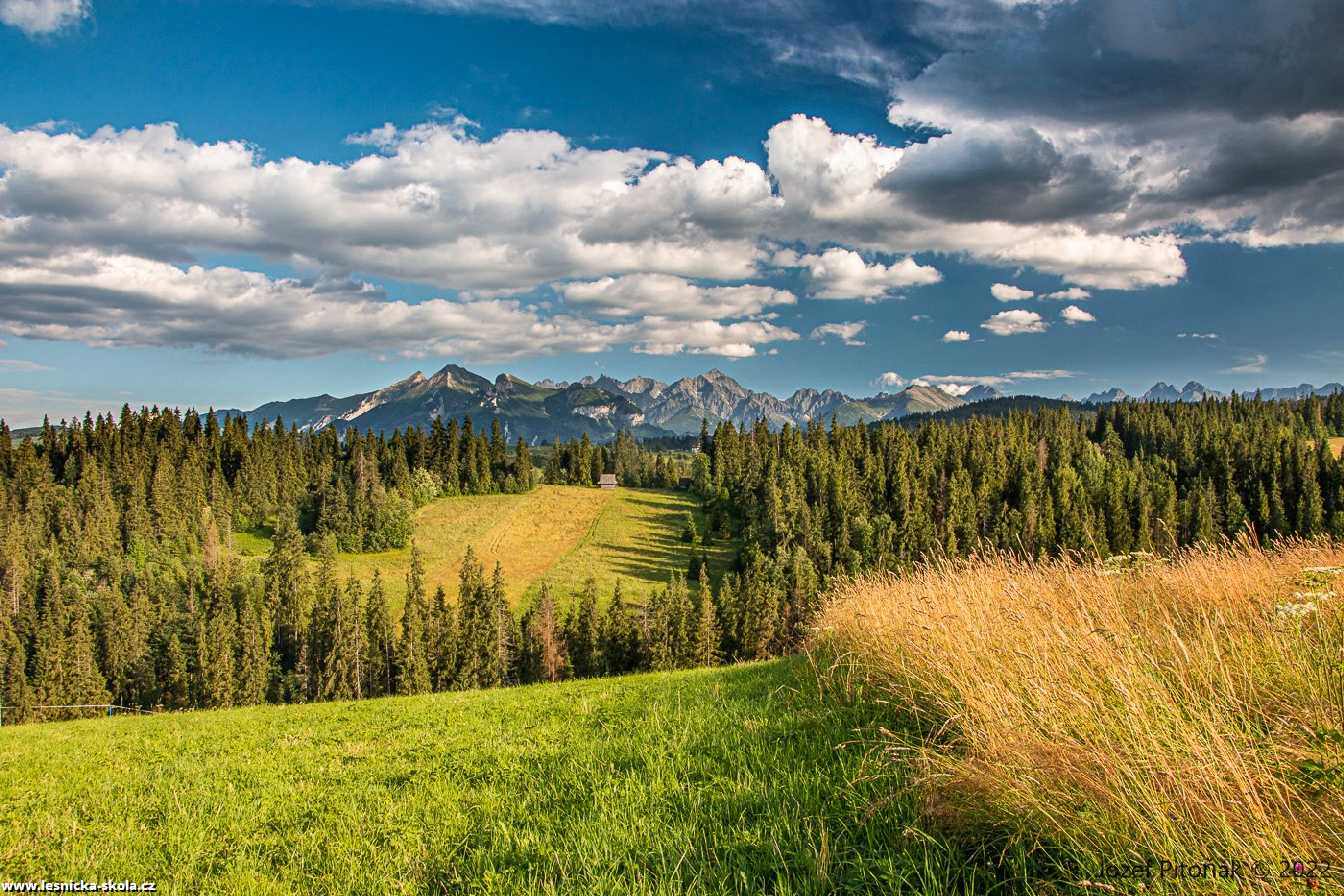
(563, 534)
(525, 533)
(1337, 446)
(1189, 711)
(712, 781)
(254, 542)
(635, 538)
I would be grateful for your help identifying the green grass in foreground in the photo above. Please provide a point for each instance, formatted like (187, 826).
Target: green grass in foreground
(728, 780)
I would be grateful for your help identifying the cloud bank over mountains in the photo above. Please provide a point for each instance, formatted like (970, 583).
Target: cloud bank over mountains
(1084, 140)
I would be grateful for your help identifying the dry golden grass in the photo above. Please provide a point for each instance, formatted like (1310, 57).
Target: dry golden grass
(561, 534)
(1337, 446)
(1116, 711)
(526, 534)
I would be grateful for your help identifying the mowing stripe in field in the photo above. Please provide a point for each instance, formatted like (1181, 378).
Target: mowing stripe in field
(636, 539)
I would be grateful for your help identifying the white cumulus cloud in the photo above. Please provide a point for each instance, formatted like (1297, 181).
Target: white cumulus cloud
(620, 234)
(707, 337)
(843, 274)
(848, 331)
(1014, 323)
(665, 295)
(1072, 294)
(122, 300)
(956, 336)
(39, 17)
(1074, 315)
(1006, 292)
(889, 380)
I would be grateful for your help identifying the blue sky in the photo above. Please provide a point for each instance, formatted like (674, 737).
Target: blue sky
(562, 193)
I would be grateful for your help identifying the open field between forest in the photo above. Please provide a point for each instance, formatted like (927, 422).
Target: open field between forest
(557, 533)
(710, 781)
(1337, 446)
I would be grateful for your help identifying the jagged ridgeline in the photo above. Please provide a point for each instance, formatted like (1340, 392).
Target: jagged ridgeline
(601, 407)
(119, 584)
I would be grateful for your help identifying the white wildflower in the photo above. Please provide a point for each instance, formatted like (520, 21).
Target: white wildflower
(1294, 611)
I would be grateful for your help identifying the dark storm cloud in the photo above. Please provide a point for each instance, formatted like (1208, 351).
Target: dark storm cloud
(1022, 178)
(1272, 157)
(1159, 113)
(1124, 60)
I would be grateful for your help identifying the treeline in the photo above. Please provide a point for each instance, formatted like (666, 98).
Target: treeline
(292, 632)
(580, 462)
(114, 538)
(1132, 477)
(150, 475)
(118, 583)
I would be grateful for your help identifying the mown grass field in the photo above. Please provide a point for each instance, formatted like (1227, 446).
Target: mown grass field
(556, 533)
(739, 779)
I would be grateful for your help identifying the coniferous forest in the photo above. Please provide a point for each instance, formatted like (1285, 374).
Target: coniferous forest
(120, 585)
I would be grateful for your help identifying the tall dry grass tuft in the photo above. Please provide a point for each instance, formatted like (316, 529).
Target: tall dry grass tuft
(1139, 709)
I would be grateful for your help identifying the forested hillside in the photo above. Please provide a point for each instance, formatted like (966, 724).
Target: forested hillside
(121, 585)
(1131, 477)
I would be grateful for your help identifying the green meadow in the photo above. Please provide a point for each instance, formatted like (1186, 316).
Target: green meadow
(741, 779)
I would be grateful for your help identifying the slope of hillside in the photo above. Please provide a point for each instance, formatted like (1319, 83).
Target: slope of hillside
(996, 407)
(712, 781)
(636, 539)
(558, 533)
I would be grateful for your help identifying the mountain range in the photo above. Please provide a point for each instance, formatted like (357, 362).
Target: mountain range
(1193, 391)
(600, 406)
(646, 407)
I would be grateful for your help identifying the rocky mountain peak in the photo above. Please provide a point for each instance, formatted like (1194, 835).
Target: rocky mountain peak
(453, 376)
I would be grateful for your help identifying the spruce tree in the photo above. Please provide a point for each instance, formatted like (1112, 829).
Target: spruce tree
(730, 616)
(581, 631)
(288, 597)
(15, 694)
(380, 642)
(443, 648)
(477, 634)
(413, 657)
(505, 643)
(707, 634)
(522, 465)
(254, 655)
(616, 647)
(66, 672)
